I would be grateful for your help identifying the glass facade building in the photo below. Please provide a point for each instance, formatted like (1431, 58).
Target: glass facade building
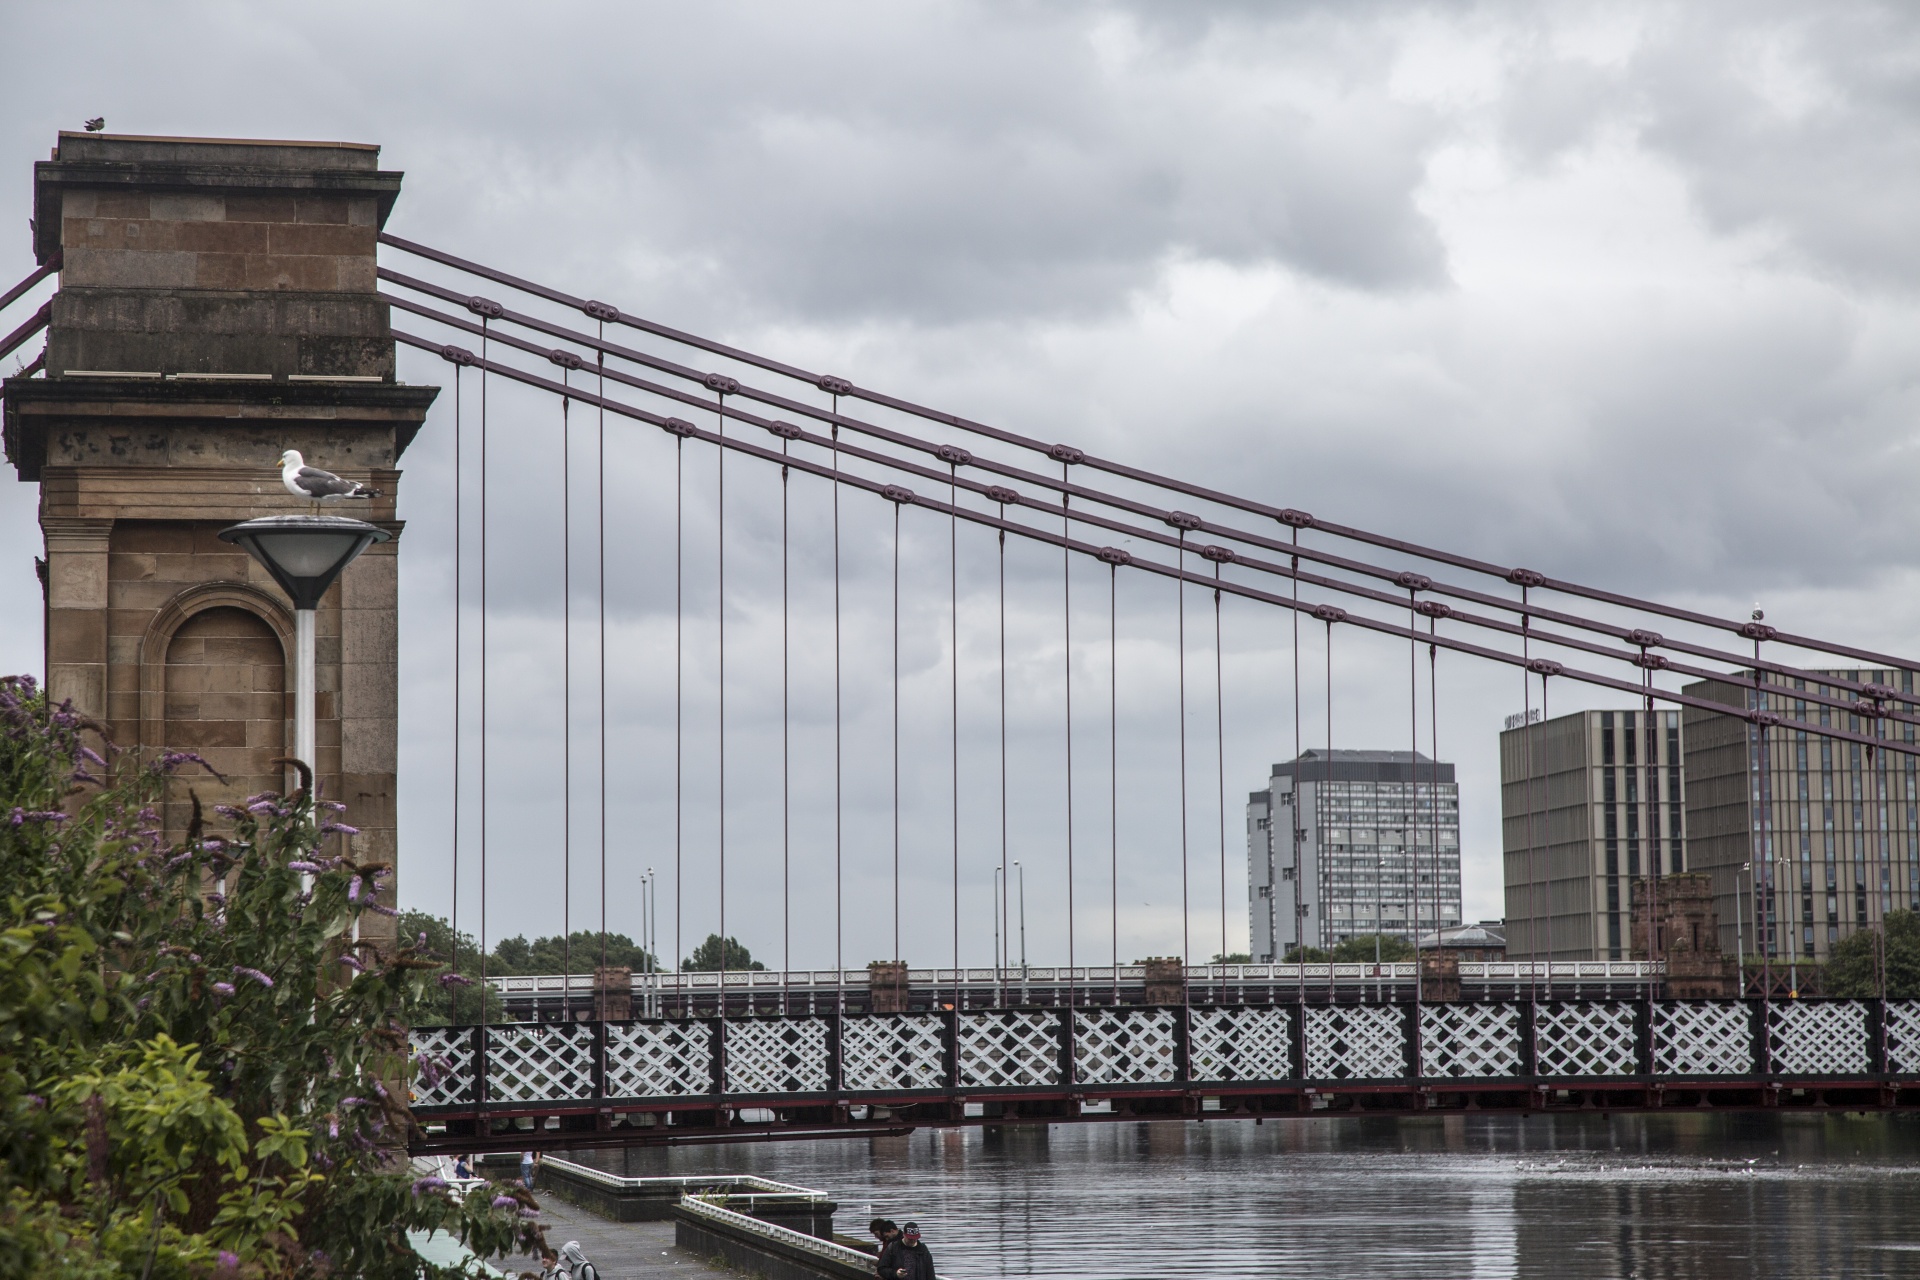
(1591, 804)
(1378, 835)
(1808, 840)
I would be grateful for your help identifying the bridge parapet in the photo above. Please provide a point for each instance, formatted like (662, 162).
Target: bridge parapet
(654, 1079)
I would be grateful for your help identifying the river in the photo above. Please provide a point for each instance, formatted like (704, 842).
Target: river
(1706, 1197)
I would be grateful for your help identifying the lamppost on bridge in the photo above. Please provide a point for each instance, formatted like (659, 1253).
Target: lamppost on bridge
(305, 555)
(1739, 933)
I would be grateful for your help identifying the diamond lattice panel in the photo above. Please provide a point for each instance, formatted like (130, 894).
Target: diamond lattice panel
(659, 1059)
(1123, 1046)
(539, 1062)
(777, 1055)
(1824, 1039)
(1009, 1050)
(1585, 1040)
(1241, 1044)
(1470, 1039)
(908, 1052)
(1702, 1040)
(451, 1051)
(1355, 1042)
(1903, 1036)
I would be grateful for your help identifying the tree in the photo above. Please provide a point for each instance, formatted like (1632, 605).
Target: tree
(1297, 954)
(1234, 957)
(456, 1001)
(1853, 970)
(550, 955)
(202, 1071)
(706, 956)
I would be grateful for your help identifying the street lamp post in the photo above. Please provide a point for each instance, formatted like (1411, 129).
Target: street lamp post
(1739, 932)
(305, 555)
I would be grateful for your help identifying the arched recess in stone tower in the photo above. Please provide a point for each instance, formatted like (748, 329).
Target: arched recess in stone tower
(214, 682)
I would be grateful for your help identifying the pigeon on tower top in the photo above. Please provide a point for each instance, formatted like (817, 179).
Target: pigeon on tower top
(96, 124)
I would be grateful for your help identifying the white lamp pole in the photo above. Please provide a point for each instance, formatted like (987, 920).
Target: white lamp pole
(305, 555)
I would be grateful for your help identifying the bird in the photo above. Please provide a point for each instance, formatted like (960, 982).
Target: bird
(315, 485)
(96, 124)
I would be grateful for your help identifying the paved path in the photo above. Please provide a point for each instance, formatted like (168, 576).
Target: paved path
(618, 1250)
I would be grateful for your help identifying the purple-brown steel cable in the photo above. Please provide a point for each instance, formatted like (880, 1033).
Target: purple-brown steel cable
(1041, 535)
(1360, 567)
(896, 733)
(1533, 891)
(1186, 943)
(1220, 755)
(1413, 823)
(1066, 613)
(484, 364)
(459, 504)
(1326, 779)
(566, 714)
(720, 527)
(1300, 906)
(1005, 867)
(839, 895)
(953, 640)
(33, 278)
(679, 687)
(600, 683)
(1132, 473)
(786, 759)
(1113, 769)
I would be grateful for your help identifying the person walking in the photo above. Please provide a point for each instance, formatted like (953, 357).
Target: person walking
(915, 1262)
(526, 1169)
(887, 1260)
(574, 1264)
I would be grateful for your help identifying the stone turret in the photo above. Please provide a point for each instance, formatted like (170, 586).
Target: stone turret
(217, 306)
(1674, 920)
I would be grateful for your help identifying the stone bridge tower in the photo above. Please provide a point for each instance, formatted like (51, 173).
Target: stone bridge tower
(217, 306)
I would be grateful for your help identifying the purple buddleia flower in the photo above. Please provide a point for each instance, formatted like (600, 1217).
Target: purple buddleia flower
(429, 1183)
(505, 1202)
(353, 1102)
(241, 971)
(448, 981)
(353, 889)
(377, 909)
(260, 806)
(311, 868)
(329, 828)
(333, 1129)
(353, 964)
(223, 988)
(89, 753)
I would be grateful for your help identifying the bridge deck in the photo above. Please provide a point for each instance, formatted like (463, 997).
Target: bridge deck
(652, 1081)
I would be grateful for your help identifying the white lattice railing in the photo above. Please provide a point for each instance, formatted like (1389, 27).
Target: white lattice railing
(979, 1052)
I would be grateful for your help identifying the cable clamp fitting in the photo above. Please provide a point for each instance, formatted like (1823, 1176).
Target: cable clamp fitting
(1434, 608)
(834, 386)
(1218, 554)
(564, 358)
(721, 383)
(1295, 519)
(601, 311)
(1114, 556)
(785, 430)
(1002, 495)
(1544, 666)
(1329, 613)
(485, 307)
(897, 493)
(1185, 521)
(1412, 581)
(1526, 577)
(679, 427)
(1066, 453)
(953, 455)
(458, 355)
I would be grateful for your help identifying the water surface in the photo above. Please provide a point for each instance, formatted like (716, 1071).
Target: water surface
(1714, 1197)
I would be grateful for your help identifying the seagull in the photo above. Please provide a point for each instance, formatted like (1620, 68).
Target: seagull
(96, 124)
(315, 485)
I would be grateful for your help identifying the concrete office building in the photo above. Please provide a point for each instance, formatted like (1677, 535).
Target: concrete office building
(1807, 841)
(1591, 803)
(1379, 849)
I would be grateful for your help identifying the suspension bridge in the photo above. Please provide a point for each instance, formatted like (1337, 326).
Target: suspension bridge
(742, 1055)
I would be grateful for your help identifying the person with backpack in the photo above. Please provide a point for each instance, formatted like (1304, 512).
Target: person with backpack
(574, 1264)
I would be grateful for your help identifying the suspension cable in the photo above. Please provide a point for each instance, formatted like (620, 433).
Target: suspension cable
(1326, 779)
(1006, 868)
(566, 713)
(953, 641)
(1300, 905)
(483, 688)
(839, 896)
(1220, 755)
(786, 761)
(720, 527)
(1066, 613)
(459, 503)
(896, 733)
(1433, 729)
(1186, 942)
(1413, 827)
(679, 697)
(1113, 769)
(600, 681)
(1533, 889)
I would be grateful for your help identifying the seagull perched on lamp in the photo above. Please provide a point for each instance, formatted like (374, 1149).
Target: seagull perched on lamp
(315, 485)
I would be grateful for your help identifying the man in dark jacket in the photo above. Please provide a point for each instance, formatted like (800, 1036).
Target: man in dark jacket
(914, 1262)
(887, 1260)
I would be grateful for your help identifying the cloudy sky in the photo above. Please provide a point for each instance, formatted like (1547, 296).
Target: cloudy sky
(1624, 292)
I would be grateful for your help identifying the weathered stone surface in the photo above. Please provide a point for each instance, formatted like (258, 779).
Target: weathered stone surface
(184, 256)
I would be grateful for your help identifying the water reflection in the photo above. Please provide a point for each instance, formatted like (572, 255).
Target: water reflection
(1727, 1197)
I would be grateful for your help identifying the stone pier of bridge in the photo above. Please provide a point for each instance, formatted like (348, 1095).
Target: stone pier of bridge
(217, 306)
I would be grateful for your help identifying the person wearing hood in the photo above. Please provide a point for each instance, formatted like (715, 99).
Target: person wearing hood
(574, 1264)
(913, 1261)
